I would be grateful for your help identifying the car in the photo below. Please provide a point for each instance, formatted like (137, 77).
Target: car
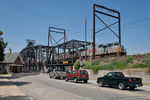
(57, 74)
(117, 79)
(77, 75)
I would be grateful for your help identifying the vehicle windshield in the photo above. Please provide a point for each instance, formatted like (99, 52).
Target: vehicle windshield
(119, 74)
(83, 72)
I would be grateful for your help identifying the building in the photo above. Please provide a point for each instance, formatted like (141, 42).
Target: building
(12, 63)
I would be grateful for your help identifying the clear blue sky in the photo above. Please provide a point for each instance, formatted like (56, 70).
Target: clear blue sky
(30, 19)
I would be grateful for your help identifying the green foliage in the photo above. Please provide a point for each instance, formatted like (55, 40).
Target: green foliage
(148, 70)
(77, 65)
(95, 67)
(86, 65)
(114, 65)
(139, 65)
(147, 64)
(107, 67)
(129, 59)
(2, 47)
(106, 61)
(128, 63)
(146, 61)
(121, 65)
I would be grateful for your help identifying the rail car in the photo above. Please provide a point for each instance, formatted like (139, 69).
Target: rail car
(109, 49)
(106, 49)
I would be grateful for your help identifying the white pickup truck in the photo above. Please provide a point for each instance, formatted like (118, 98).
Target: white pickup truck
(57, 74)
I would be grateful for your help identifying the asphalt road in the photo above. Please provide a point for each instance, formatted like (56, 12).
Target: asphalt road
(41, 87)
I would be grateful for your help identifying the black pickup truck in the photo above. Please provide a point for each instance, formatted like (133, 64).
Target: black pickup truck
(117, 79)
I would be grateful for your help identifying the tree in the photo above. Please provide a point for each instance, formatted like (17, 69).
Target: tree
(2, 47)
(77, 65)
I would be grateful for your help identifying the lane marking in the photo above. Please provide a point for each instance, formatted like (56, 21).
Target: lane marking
(124, 92)
(99, 88)
(64, 92)
(61, 91)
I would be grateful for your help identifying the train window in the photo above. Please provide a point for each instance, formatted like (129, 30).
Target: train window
(100, 46)
(115, 44)
(110, 45)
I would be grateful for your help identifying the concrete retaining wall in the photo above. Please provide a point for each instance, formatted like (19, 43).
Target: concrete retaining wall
(128, 73)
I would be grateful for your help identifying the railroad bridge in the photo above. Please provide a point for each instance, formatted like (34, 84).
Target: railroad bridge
(41, 57)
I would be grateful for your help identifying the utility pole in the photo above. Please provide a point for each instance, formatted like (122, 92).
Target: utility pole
(93, 31)
(85, 42)
(91, 52)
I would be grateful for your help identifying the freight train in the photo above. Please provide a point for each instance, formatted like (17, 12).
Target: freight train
(109, 49)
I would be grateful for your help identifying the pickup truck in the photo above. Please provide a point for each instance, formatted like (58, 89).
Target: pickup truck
(117, 79)
(57, 74)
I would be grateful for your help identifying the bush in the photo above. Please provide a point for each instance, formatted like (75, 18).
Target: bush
(95, 67)
(139, 66)
(113, 62)
(121, 65)
(86, 65)
(106, 61)
(77, 65)
(107, 67)
(146, 61)
(128, 63)
(129, 59)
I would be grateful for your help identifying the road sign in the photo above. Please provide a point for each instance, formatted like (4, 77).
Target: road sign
(65, 62)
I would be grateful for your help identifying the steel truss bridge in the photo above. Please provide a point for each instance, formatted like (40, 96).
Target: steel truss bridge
(41, 57)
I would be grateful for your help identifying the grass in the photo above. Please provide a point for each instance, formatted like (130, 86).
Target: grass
(128, 63)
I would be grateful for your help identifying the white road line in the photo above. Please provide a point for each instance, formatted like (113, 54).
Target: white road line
(83, 98)
(108, 89)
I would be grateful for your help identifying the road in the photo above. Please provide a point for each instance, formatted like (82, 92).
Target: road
(41, 87)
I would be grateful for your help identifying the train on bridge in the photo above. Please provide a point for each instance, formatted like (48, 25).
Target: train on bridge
(108, 49)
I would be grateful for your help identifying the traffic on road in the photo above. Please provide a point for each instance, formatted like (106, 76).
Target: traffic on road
(111, 79)
(45, 88)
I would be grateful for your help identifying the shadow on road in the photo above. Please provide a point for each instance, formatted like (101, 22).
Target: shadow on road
(79, 82)
(19, 75)
(8, 83)
(4, 77)
(126, 89)
(14, 98)
(136, 90)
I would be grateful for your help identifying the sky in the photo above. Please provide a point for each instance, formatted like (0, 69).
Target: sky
(30, 19)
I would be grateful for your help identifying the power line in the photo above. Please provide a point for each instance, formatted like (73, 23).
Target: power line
(137, 21)
(130, 23)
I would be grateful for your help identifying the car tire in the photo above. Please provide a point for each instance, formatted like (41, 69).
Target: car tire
(121, 86)
(100, 83)
(75, 80)
(85, 81)
(54, 77)
(132, 88)
(66, 79)
(50, 76)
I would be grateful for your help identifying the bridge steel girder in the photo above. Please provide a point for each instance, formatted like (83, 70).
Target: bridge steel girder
(99, 9)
